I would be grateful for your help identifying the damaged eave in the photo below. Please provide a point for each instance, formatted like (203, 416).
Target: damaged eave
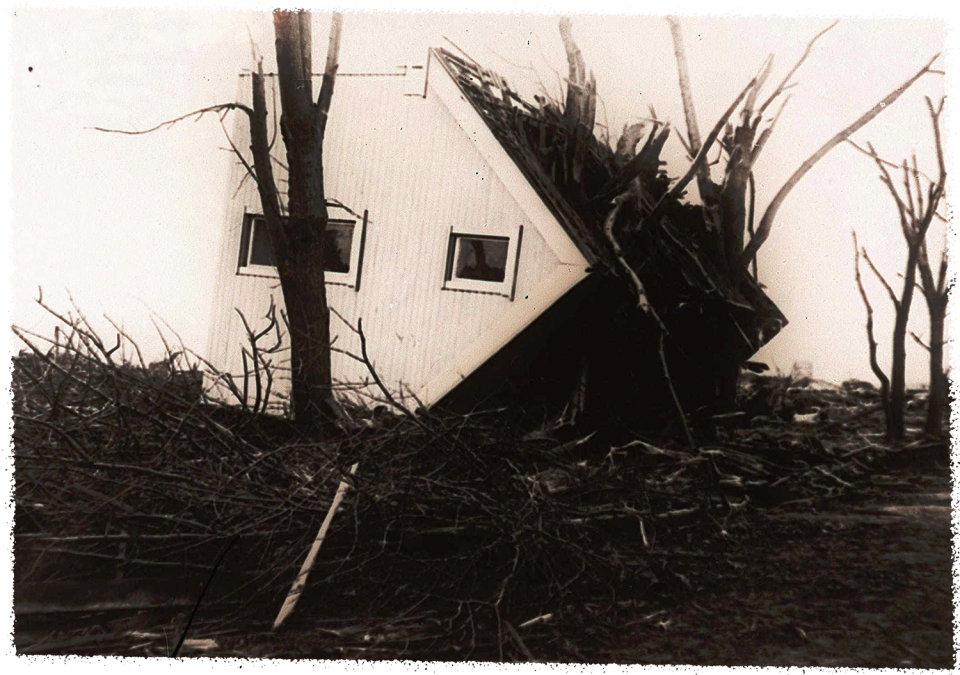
(533, 135)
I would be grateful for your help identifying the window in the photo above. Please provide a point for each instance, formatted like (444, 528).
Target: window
(342, 250)
(259, 252)
(482, 263)
(337, 245)
(480, 258)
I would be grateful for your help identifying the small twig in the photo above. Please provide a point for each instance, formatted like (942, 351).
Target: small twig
(673, 393)
(783, 84)
(375, 375)
(203, 592)
(520, 643)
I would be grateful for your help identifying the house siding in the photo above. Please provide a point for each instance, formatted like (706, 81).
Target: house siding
(409, 164)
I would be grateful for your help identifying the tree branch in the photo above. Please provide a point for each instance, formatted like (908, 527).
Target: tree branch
(765, 134)
(783, 84)
(888, 181)
(642, 301)
(260, 146)
(701, 157)
(875, 157)
(889, 289)
(686, 95)
(296, 100)
(871, 340)
(766, 223)
(222, 107)
(752, 186)
(329, 71)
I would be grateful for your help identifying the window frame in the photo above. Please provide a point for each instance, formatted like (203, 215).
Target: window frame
(506, 288)
(357, 244)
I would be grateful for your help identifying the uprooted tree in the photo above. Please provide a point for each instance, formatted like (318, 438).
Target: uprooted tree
(916, 213)
(728, 204)
(681, 295)
(296, 226)
(725, 203)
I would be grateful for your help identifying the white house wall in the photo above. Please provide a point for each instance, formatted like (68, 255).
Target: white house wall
(409, 164)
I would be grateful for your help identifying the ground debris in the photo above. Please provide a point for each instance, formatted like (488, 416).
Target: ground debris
(463, 538)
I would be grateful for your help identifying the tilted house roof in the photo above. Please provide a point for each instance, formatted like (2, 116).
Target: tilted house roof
(542, 144)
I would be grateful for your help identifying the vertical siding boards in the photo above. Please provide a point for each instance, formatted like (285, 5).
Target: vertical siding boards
(407, 161)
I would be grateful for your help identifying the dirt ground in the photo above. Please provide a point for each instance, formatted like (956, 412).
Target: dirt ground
(860, 580)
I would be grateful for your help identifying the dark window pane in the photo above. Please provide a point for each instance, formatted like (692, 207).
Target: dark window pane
(337, 242)
(245, 241)
(481, 258)
(261, 253)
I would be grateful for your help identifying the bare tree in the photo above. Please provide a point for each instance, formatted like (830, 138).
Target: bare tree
(726, 210)
(298, 238)
(916, 211)
(295, 229)
(935, 293)
(871, 339)
(936, 289)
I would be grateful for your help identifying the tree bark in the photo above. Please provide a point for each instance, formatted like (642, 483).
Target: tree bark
(899, 364)
(871, 340)
(298, 239)
(939, 384)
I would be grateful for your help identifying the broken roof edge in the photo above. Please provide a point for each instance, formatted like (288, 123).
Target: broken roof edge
(467, 74)
(531, 172)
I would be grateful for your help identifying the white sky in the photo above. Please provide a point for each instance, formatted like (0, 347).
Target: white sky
(132, 224)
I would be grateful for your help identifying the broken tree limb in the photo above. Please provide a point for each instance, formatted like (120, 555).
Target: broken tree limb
(752, 185)
(222, 107)
(766, 223)
(628, 141)
(686, 95)
(576, 80)
(642, 301)
(701, 157)
(262, 170)
(329, 71)
(290, 603)
(673, 393)
(786, 80)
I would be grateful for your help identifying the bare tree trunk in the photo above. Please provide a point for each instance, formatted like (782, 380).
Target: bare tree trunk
(871, 340)
(897, 374)
(298, 240)
(898, 366)
(939, 385)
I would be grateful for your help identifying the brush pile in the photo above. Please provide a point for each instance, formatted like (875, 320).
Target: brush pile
(459, 537)
(120, 475)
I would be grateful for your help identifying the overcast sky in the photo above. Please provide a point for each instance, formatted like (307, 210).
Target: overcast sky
(132, 225)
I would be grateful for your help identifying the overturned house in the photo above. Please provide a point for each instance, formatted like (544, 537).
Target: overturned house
(498, 254)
